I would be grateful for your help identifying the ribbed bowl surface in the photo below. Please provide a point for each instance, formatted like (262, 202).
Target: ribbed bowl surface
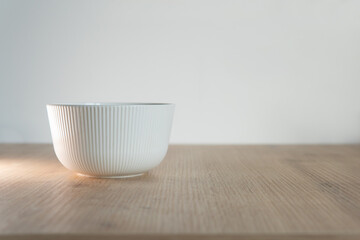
(110, 140)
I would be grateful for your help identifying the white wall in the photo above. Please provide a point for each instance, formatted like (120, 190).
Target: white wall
(239, 71)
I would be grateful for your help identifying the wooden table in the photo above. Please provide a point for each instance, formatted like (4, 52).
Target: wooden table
(197, 192)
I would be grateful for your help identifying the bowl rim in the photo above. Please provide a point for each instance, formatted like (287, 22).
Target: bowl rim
(110, 104)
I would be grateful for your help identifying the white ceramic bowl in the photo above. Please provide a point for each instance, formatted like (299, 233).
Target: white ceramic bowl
(110, 139)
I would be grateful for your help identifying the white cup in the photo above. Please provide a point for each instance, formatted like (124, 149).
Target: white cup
(110, 139)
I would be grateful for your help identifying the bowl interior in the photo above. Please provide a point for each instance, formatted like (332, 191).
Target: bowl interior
(107, 104)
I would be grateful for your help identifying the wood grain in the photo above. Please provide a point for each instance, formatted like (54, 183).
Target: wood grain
(198, 192)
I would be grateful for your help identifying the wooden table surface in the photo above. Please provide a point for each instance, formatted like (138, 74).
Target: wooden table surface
(197, 192)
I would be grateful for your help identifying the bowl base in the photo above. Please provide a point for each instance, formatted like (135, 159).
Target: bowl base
(115, 176)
